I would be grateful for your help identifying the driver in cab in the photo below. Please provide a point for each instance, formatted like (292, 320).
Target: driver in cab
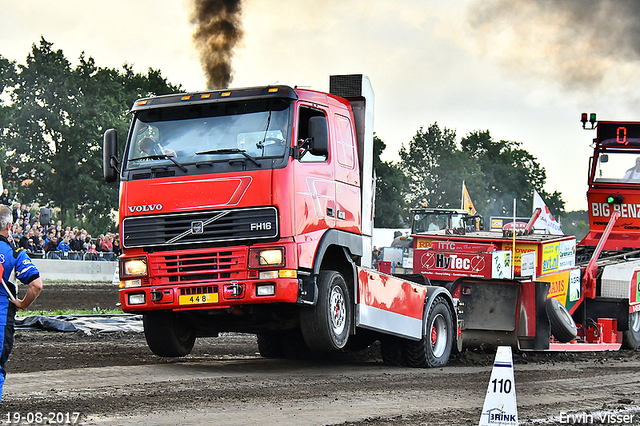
(151, 147)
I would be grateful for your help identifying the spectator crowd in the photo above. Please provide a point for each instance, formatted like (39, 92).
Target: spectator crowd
(58, 241)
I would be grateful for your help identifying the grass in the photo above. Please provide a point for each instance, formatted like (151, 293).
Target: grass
(94, 311)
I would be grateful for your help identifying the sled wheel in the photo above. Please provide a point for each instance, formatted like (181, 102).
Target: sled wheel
(269, 345)
(325, 326)
(168, 334)
(434, 349)
(563, 327)
(631, 337)
(392, 351)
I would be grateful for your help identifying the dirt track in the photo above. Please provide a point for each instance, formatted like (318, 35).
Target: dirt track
(113, 378)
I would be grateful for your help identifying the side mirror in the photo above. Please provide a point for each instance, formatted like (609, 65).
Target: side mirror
(319, 133)
(110, 155)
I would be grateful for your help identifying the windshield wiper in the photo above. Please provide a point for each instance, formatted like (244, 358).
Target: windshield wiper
(162, 157)
(231, 151)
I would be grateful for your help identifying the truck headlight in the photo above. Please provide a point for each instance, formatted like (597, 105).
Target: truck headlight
(272, 256)
(137, 299)
(266, 290)
(134, 267)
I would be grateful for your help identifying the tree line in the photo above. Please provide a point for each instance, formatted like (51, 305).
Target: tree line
(53, 116)
(433, 167)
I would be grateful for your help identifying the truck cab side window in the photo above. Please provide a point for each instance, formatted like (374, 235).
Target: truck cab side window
(304, 132)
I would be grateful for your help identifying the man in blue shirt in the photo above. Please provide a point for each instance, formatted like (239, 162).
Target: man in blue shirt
(12, 259)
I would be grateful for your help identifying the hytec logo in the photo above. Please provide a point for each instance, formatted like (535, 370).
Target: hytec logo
(145, 208)
(454, 262)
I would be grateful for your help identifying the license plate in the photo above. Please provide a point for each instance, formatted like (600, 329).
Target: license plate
(197, 299)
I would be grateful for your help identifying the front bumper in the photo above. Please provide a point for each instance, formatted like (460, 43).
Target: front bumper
(201, 296)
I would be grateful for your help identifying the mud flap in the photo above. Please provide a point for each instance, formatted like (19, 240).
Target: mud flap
(308, 290)
(488, 304)
(543, 328)
(488, 311)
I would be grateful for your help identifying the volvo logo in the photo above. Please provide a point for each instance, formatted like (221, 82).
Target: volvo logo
(145, 208)
(197, 227)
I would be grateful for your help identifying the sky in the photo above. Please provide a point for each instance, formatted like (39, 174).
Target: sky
(522, 69)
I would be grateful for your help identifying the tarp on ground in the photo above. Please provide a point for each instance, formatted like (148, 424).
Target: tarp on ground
(84, 323)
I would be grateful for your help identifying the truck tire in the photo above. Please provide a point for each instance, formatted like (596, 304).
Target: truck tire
(434, 349)
(293, 345)
(392, 351)
(168, 334)
(631, 337)
(269, 345)
(563, 327)
(326, 326)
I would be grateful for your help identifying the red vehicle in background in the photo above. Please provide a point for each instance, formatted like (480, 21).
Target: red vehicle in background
(537, 291)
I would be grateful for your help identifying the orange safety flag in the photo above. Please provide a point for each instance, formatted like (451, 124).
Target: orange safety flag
(467, 204)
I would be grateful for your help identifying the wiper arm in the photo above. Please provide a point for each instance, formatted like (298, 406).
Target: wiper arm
(162, 157)
(231, 151)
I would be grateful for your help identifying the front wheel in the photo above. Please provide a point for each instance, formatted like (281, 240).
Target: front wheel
(269, 345)
(325, 326)
(168, 334)
(631, 337)
(434, 349)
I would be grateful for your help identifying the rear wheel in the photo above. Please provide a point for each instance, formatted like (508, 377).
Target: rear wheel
(631, 337)
(325, 326)
(392, 351)
(168, 334)
(434, 349)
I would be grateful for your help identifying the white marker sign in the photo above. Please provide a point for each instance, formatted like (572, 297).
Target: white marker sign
(500, 408)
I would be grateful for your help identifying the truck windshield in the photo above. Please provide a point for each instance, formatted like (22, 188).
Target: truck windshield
(618, 167)
(436, 221)
(212, 132)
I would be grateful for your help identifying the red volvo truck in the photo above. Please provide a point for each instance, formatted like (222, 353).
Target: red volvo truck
(250, 210)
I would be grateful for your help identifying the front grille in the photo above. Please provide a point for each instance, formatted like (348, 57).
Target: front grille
(190, 266)
(200, 228)
(200, 266)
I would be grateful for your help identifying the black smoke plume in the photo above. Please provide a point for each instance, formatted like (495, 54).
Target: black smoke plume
(218, 30)
(579, 43)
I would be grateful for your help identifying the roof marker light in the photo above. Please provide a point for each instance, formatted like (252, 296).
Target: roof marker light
(185, 98)
(273, 90)
(205, 96)
(225, 94)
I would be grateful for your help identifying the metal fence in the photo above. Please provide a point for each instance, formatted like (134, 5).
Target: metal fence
(74, 255)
